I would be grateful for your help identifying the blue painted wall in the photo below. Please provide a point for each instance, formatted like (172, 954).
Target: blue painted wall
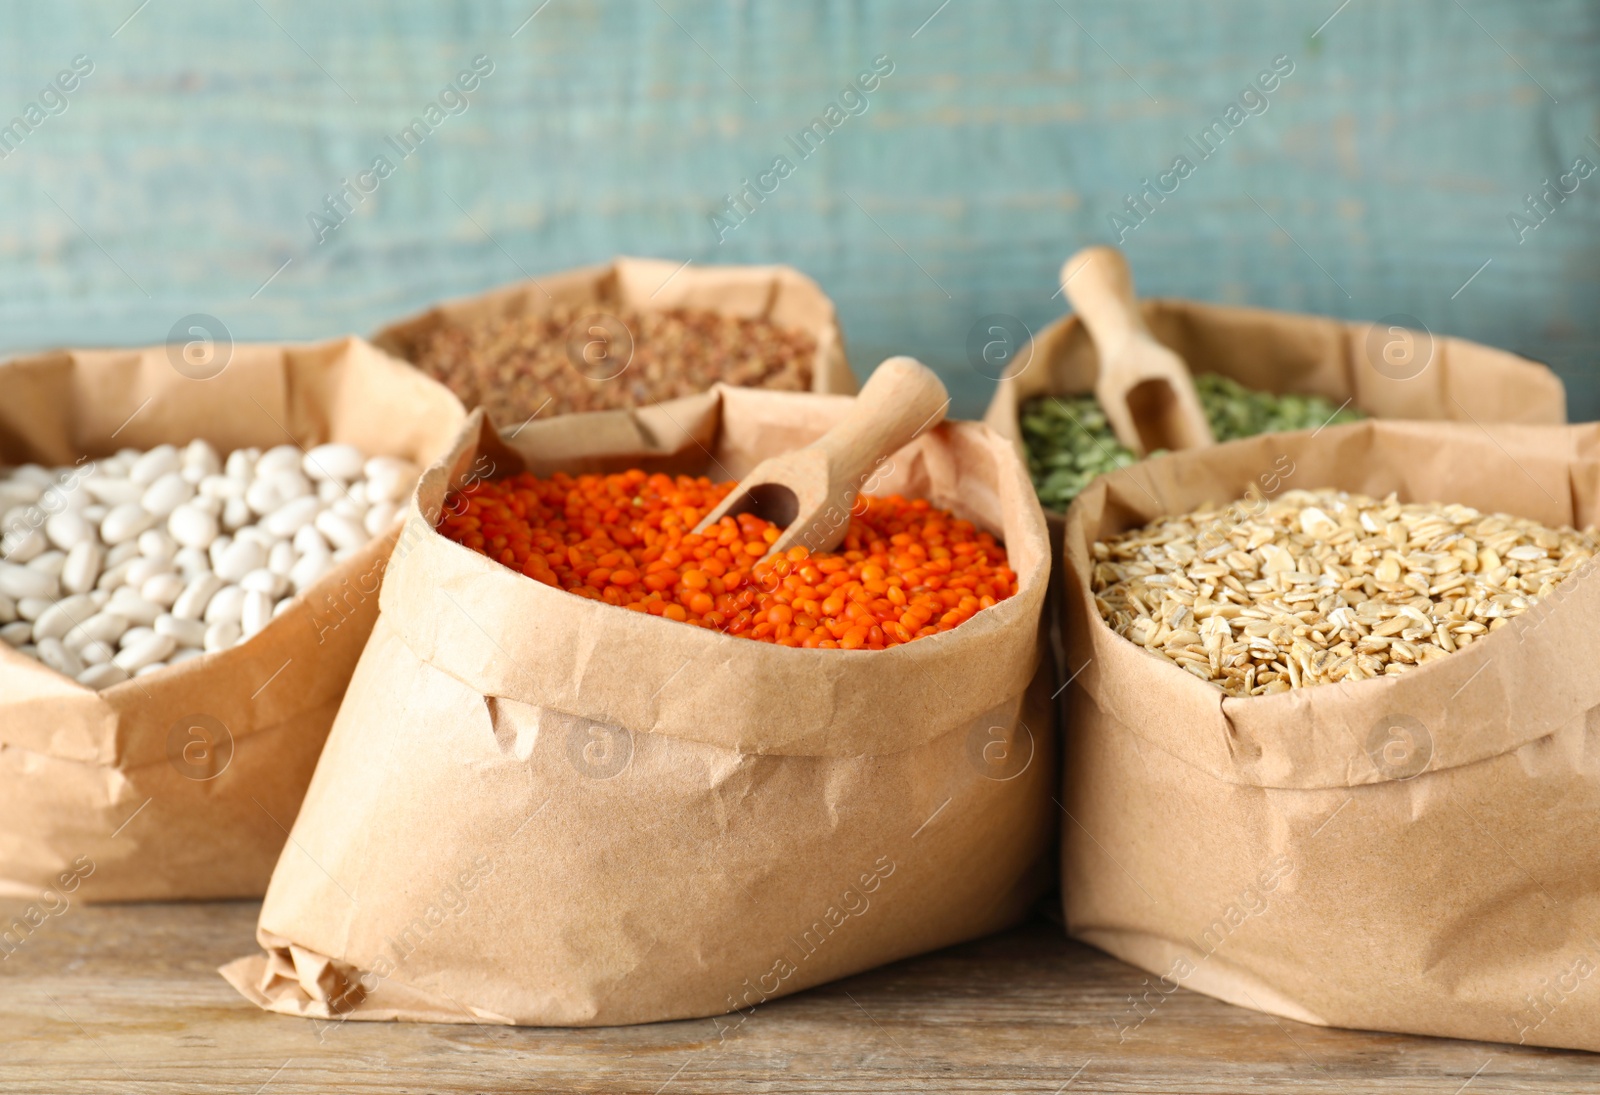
(1381, 175)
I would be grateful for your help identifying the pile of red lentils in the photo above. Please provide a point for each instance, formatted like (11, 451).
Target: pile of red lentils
(905, 569)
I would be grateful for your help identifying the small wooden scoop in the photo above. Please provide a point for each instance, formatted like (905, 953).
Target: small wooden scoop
(1144, 388)
(810, 492)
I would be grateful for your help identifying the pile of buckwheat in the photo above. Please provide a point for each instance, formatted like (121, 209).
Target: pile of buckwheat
(1314, 587)
(603, 355)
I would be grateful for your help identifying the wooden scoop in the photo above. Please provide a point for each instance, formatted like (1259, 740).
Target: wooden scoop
(1144, 388)
(810, 492)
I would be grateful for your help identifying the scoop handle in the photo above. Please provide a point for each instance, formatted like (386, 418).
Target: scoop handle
(901, 399)
(1144, 388)
(1099, 285)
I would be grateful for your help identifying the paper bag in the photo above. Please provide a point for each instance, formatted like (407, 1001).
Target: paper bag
(780, 294)
(1412, 853)
(539, 809)
(182, 784)
(1386, 369)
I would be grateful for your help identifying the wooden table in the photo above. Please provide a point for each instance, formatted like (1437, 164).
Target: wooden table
(127, 999)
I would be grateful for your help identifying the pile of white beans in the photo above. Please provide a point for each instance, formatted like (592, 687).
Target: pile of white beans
(123, 566)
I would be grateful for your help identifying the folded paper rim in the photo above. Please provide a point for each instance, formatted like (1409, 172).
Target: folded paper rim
(1313, 737)
(121, 726)
(889, 697)
(658, 284)
(1049, 353)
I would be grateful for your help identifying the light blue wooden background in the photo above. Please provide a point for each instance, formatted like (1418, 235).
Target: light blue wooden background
(180, 177)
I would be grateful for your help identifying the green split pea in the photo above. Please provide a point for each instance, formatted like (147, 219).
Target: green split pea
(1069, 441)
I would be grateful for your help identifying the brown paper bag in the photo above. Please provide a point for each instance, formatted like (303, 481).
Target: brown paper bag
(538, 809)
(181, 784)
(780, 294)
(1382, 369)
(1412, 853)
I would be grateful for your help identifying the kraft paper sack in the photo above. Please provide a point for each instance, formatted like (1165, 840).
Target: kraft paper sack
(1387, 369)
(780, 294)
(539, 809)
(1414, 853)
(182, 784)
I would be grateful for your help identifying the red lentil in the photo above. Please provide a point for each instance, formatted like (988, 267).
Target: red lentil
(905, 569)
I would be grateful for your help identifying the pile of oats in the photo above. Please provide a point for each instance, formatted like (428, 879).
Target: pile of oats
(514, 365)
(1319, 586)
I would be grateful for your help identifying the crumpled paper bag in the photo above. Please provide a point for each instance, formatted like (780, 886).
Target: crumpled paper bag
(1412, 853)
(183, 784)
(539, 809)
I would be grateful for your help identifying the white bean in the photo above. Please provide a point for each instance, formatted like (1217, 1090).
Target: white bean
(219, 636)
(69, 529)
(127, 603)
(61, 617)
(144, 559)
(380, 517)
(94, 652)
(191, 561)
(163, 589)
(255, 612)
(309, 569)
(236, 514)
(220, 486)
(183, 632)
(308, 540)
(150, 648)
(157, 543)
(278, 458)
(82, 567)
(265, 581)
(166, 494)
(135, 635)
(200, 455)
(228, 604)
(218, 546)
(142, 569)
(112, 576)
(51, 563)
(240, 558)
(112, 491)
(241, 464)
(334, 461)
(282, 557)
(102, 676)
(22, 543)
(18, 582)
(192, 602)
(341, 531)
(58, 657)
(292, 516)
(389, 478)
(192, 526)
(154, 464)
(212, 506)
(124, 522)
(125, 552)
(102, 627)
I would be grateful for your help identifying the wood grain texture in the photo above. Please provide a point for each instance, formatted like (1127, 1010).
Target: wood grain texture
(127, 999)
(1379, 178)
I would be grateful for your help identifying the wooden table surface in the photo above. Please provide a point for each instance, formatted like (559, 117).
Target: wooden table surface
(127, 999)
